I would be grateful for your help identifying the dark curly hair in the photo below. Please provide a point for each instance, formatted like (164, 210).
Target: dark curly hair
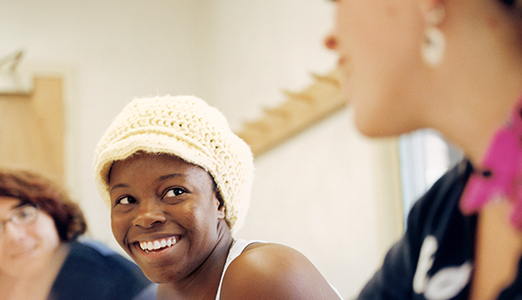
(32, 188)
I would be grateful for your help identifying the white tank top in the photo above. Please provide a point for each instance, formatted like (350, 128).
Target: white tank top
(236, 249)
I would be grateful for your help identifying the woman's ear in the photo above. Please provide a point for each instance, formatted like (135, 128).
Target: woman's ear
(428, 6)
(221, 212)
(220, 208)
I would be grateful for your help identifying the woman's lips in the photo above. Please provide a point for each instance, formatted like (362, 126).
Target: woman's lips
(159, 244)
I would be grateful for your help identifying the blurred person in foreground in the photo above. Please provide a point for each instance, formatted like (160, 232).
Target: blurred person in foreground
(455, 66)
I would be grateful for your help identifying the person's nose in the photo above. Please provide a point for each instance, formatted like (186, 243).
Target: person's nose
(149, 214)
(331, 41)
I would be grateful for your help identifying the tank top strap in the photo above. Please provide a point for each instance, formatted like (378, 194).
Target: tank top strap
(237, 248)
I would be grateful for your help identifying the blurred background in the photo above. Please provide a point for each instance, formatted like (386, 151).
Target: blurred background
(332, 194)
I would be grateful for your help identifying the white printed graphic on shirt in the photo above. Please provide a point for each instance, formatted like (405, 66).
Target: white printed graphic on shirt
(446, 283)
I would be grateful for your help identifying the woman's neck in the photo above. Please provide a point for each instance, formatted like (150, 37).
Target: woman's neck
(476, 86)
(38, 285)
(472, 128)
(204, 281)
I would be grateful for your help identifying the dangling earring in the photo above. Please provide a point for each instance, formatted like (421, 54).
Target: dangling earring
(434, 44)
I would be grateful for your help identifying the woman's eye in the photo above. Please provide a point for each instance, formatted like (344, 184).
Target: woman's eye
(173, 192)
(126, 200)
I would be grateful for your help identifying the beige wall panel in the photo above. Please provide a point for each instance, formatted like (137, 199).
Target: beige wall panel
(32, 129)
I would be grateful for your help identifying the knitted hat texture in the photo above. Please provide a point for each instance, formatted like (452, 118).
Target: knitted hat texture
(186, 127)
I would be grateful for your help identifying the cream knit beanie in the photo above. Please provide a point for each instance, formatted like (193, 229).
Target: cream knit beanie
(186, 127)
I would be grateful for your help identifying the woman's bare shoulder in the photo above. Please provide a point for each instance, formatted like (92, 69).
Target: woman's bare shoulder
(274, 271)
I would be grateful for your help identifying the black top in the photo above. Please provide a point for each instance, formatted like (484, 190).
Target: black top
(434, 258)
(93, 271)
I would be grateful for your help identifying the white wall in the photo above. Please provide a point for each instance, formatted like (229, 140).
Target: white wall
(316, 193)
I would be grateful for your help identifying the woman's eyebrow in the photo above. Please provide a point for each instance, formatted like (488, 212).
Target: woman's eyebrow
(169, 176)
(161, 178)
(119, 185)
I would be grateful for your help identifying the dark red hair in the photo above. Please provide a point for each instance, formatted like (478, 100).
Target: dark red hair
(32, 188)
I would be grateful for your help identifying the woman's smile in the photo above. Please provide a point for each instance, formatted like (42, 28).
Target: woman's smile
(154, 245)
(158, 251)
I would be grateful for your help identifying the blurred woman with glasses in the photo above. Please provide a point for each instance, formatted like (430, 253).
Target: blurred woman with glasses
(40, 255)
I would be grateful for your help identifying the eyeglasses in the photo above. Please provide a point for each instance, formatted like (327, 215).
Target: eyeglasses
(21, 216)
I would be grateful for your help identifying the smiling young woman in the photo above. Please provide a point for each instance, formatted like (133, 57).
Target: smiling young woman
(178, 182)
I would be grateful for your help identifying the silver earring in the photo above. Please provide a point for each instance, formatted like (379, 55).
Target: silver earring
(434, 45)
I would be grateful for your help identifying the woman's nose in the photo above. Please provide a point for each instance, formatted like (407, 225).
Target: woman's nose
(149, 215)
(330, 41)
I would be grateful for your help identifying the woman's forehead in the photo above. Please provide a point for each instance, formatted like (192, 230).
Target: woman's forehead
(152, 163)
(8, 203)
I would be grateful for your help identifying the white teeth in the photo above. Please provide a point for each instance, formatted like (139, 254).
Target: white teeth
(157, 244)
